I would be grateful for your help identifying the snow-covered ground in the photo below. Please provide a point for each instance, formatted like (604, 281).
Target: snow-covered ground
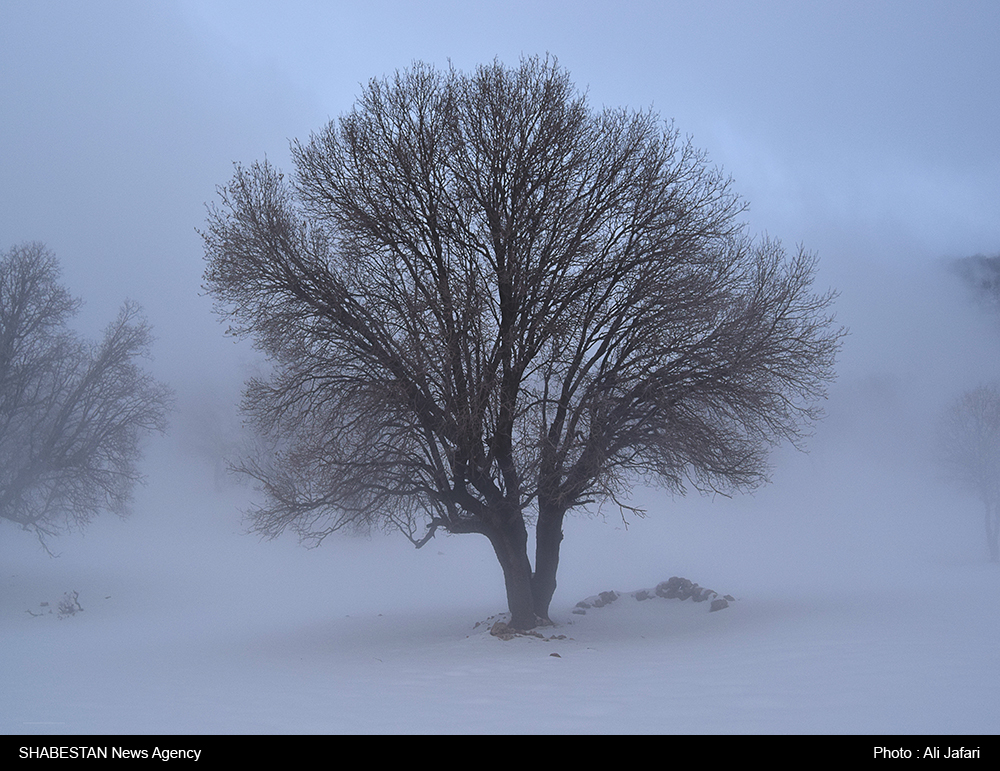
(862, 607)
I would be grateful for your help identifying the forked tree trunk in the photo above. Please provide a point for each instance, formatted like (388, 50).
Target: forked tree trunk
(510, 543)
(548, 537)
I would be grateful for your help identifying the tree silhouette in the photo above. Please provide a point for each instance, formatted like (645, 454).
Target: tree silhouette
(969, 448)
(72, 413)
(487, 304)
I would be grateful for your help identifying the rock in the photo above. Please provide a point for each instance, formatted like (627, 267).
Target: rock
(501, 630)
(675, 588)
(579, 611)
(718, 604)
(642, 594)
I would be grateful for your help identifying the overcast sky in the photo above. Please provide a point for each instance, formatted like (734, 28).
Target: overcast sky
(867, 131)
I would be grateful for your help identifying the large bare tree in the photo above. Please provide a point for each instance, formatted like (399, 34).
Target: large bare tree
(488, 303)
(969, 449)
(72, 413)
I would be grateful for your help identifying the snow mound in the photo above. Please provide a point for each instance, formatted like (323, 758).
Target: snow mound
(676, 588)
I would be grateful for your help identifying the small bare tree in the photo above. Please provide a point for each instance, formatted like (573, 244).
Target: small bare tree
(71, 413)
(969, 448)
(488, 304)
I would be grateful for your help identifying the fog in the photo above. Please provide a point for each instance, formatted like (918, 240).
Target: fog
(865, 132)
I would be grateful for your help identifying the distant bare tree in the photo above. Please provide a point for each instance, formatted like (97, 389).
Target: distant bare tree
(71, 413)
(969, 448)
(487, 304)
(982, 275)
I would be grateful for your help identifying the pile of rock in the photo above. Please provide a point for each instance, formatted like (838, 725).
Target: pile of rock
(676, 588)
(504, 632)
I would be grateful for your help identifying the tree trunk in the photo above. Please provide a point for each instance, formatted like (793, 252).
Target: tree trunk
(993, 531)
(548, 537)
(510, 543)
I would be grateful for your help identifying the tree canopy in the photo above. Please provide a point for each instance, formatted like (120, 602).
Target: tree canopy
(488, 303)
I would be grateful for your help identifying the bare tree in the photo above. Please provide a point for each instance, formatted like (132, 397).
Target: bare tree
(71, 413)
(982, 275)
(487, 304)
(969, 448)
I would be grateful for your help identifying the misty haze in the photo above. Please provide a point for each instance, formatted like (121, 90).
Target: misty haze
(849, 519)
